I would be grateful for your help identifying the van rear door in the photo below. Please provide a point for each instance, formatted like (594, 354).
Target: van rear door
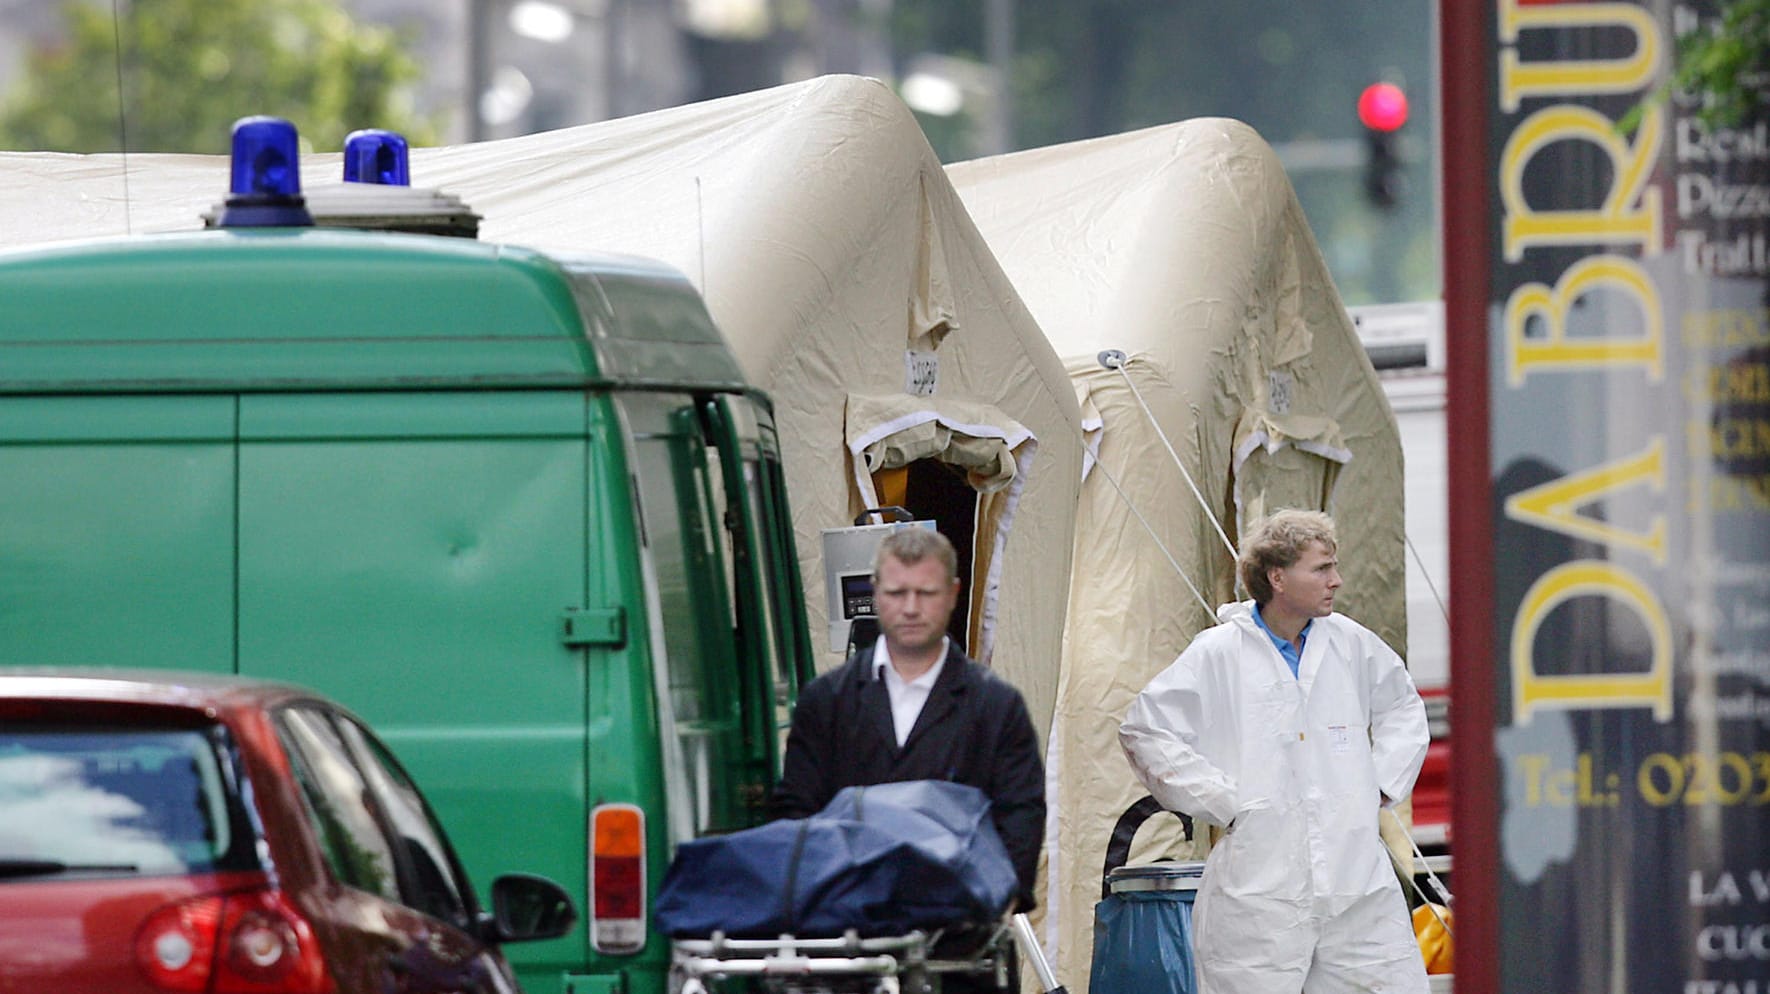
(116, 531)
(415, 555)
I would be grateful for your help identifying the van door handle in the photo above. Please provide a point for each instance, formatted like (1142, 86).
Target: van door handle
(603, 626)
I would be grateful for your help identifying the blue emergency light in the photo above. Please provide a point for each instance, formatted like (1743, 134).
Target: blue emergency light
(265, 187)
(376, 156)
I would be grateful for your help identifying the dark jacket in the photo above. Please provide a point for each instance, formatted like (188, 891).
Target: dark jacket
(974, 730)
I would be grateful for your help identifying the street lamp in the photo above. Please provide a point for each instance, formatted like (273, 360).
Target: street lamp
(499, 94)
(542, 21)
(730, 19)
(943, 85)
(932, 93)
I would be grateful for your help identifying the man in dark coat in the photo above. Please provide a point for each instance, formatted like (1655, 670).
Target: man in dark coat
(912, 707)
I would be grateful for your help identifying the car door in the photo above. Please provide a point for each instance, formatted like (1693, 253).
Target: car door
(401, 915)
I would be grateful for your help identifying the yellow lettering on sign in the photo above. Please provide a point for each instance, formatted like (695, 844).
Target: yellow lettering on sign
(1556, 351)
(1555, 505)
(1733, 438)
(1730, 493)
(1520, 79)
(1533, 691)
(1734, 383)
(1630, 213)
(1726, 329)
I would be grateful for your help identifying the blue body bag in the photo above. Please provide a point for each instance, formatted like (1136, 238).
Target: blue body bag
(883, 860)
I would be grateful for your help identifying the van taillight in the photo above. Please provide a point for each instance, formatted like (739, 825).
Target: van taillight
(248, 942)
(617, 878)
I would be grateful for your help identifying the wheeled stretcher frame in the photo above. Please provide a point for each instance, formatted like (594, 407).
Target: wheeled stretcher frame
(900, 964)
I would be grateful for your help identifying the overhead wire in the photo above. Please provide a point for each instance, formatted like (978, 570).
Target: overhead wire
(1159, 544)
(122, 112)
(1115, 360)
(1426, 865)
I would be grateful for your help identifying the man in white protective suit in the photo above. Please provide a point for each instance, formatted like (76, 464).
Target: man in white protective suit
(1289, 726)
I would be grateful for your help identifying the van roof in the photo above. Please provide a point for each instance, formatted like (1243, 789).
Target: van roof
(304, 309)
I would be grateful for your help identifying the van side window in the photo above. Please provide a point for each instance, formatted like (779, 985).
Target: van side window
(684, 503)
(770, 598)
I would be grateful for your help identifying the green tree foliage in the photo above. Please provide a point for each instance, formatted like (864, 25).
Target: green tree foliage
(1727, 62)
(190, 68)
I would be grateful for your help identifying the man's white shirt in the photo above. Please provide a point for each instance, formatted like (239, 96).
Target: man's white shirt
(907, 696)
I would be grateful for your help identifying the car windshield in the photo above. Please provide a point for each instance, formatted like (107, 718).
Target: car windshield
(83, 801)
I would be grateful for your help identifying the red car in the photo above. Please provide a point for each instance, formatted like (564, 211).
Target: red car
(183, 832)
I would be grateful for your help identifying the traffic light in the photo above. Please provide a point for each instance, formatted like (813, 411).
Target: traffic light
(1382, 109)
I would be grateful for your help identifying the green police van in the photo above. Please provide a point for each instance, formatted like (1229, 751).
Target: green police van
(520, 511)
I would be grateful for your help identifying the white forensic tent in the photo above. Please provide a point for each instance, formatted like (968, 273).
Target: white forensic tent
(1184, 248)
(55, 196)
(829, 246)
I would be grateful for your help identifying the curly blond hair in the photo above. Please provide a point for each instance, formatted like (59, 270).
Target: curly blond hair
(1278, 542)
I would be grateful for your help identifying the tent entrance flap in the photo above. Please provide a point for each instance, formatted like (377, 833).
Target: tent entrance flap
(939, 443)
(1282, 462)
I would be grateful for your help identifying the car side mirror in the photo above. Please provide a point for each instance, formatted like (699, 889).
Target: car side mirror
(526, 908)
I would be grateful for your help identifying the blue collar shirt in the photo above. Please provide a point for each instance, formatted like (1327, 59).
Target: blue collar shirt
(1293, 654)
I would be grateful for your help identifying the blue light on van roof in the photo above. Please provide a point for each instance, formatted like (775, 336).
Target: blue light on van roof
(265, 186)
(264, 160)
(376, 156)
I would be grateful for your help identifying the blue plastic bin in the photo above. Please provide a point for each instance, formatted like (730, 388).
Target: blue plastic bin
(1143, 923)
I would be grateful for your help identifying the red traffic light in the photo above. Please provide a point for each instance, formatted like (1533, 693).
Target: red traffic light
(1382, 107)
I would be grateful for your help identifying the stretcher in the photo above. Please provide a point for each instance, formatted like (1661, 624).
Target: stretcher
(919, 962)
(895, 888)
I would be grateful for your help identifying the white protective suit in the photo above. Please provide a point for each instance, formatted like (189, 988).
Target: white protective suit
(1299, 895)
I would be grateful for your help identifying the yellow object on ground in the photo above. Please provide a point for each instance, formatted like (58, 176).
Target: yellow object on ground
(1436, 943)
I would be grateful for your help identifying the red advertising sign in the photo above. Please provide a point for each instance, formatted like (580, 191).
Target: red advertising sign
(1608, 315)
